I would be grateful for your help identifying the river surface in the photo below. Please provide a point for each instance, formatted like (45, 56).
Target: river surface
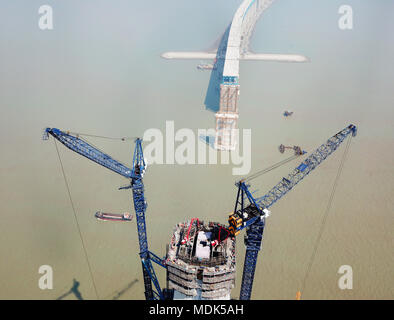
(99, 71)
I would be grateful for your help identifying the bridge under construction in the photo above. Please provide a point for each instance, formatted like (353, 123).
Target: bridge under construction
(224, 86)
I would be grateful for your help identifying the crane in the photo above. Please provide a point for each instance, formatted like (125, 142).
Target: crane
(250, 211)
(135, 176)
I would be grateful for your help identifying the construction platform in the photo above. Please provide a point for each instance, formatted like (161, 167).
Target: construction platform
(201, 261)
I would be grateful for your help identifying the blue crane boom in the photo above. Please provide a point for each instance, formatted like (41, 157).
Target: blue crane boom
(135, 175)
(250, 211)
(85, 149)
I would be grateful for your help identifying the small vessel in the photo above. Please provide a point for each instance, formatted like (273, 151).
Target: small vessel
(104, 216)
(206, 66)
(288, 113)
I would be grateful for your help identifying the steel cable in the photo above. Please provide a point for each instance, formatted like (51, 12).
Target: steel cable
(76, 220)
(328, 208)
(101, 137)
(261, 172)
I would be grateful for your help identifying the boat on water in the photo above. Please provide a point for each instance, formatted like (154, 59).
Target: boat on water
(104, 216)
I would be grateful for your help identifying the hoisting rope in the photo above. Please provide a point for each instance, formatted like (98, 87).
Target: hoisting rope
(328, 208)
(76, 220)
(93, 145)
(259, 173)
(77, 134)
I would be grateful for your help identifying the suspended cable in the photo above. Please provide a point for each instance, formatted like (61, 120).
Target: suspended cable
(261, 172)
(328, 208)
(101, 137)
(93, 145)
(76, 219)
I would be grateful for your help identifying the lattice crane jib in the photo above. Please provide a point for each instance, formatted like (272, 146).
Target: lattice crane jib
(250, 211)
(135, 175)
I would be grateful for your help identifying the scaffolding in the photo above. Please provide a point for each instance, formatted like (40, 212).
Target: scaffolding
(194, 277)
(227, 118)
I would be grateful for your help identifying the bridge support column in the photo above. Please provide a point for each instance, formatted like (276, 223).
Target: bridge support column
(227, 118)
